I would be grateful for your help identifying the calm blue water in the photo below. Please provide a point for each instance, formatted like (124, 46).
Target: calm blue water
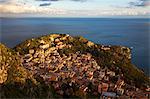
(127, 32)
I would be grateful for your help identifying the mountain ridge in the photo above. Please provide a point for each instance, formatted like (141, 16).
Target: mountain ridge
(79, 65)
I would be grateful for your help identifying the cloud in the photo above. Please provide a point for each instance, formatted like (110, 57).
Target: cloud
(80, 0)
(61, 0)
(140, 3)
(8, 1)
(45, 4)
(48, 11)
(2, 1)
(47, 0)
(42, 7)
(28, 10)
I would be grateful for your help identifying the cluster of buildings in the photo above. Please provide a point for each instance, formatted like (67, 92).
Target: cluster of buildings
(76, 74)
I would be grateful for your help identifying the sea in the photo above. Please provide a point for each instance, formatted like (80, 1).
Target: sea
(130, 32)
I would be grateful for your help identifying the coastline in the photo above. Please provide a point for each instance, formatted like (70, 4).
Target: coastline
(118, 32)
(56, 58)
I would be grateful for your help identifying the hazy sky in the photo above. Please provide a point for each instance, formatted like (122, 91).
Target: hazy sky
(71, 8)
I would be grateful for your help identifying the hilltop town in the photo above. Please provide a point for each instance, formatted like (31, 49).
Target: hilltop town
(62, 66)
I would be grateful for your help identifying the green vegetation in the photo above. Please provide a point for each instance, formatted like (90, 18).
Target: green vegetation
(104, 58)
(119, 54)
(26, 90)
(19, 82)
(34, 43)
(12, 65)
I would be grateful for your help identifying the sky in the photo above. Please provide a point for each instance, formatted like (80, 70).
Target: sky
(74, 8)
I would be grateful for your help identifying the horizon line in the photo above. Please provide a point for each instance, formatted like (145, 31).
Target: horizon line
(112, 16)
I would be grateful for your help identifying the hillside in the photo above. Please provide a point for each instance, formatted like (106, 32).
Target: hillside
(66, 66)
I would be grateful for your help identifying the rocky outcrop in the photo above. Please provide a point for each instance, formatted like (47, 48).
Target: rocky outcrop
(75, 67)
(17, 81)
(11, 69)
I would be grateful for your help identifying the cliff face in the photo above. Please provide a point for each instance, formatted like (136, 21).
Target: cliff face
(68, 66)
